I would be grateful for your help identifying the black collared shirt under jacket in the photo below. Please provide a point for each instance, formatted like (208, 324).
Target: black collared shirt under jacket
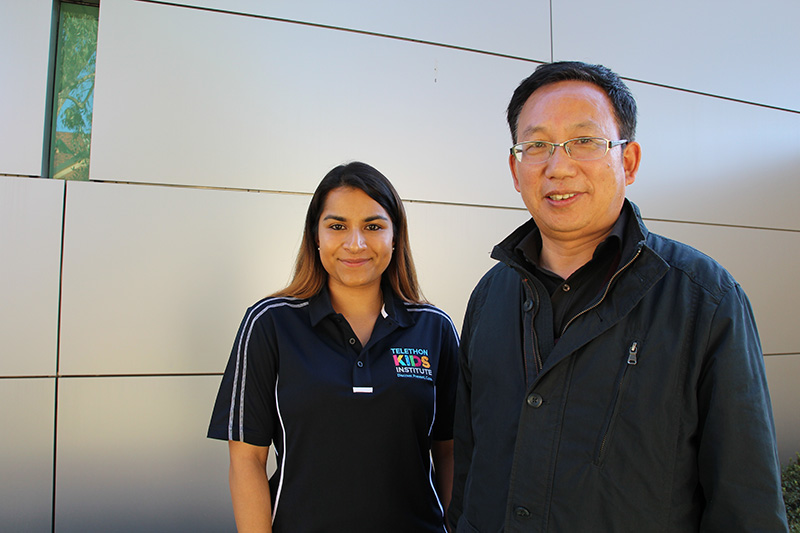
(650, 413)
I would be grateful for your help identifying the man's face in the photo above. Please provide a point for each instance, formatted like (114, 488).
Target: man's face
(573, 200)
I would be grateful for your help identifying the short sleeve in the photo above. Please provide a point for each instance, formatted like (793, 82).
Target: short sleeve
(446, 382)
(245, 408)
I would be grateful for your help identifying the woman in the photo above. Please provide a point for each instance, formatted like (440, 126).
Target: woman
(348, 373)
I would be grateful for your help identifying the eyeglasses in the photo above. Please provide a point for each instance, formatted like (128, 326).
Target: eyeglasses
(580, 149)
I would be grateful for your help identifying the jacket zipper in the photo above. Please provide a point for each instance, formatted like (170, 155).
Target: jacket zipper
(633, 360)
(633, 353)
(605, 293)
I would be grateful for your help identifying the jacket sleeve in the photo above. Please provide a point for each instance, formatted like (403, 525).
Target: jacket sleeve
(462, 429)
(737, 456)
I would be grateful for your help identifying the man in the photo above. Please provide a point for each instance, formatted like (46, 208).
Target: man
(611, 379)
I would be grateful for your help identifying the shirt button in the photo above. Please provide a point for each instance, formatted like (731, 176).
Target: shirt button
(565, 287)
(535, 400)
(528, 305)
(522, 512)
(352, 340)
(360, 364)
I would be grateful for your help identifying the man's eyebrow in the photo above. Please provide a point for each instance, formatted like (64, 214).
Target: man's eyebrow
(530, 131)
(586, 124)
(579, 126)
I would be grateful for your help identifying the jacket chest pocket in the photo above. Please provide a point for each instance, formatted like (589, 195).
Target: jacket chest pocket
(618, 398)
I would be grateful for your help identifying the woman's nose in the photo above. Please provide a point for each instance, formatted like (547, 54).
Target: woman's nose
(355, 241)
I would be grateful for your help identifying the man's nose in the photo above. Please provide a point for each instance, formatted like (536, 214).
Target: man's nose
(559, 159)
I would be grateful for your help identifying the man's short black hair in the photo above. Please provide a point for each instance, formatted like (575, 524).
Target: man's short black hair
(619, 94)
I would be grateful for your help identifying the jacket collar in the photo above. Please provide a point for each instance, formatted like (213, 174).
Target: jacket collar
(635, 234)
(640, 269)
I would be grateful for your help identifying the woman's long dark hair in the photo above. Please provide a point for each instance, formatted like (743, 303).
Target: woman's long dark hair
(310, 276)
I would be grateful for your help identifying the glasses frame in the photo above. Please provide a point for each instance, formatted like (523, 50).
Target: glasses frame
(517, 149)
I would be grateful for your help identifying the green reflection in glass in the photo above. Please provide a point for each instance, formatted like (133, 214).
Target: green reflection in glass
(74, 92)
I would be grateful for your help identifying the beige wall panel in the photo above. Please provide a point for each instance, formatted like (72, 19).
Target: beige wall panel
(133, 456)
(734, 49)
(26, 454)
(782, 372)
(30, 245)
(711, 160)
(157, 279)
(239, 110)
(478, 25)
(25, 52)
(451, 246)
(765, 263)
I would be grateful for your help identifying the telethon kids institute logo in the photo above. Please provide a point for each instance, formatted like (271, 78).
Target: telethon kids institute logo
(412, 363)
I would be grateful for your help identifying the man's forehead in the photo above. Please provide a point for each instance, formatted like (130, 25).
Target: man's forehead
(567, 105)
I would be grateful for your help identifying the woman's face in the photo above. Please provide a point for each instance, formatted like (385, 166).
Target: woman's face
(355, 238)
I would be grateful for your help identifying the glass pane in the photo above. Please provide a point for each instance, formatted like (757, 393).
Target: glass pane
(74, 92)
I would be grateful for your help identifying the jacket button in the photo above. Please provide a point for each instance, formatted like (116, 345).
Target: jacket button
(528, 305)
(522, 512)
(360, 364)
(352, 340)
(535, 400)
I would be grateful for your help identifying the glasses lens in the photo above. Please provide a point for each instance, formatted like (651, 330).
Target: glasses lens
(534, 152)
(587, 148)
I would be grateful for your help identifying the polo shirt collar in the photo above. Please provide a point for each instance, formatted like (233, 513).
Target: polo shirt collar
(394, 308)
(320, 307)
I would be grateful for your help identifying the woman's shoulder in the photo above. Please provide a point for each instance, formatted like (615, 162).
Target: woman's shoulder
(424, 307)
(431, 312)
(274, 304)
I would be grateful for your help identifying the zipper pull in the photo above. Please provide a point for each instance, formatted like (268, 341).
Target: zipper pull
(633, 353)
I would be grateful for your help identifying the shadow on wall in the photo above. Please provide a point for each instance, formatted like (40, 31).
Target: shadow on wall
(758, 191)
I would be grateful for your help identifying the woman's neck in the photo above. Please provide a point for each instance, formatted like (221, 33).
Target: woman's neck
(359, 306)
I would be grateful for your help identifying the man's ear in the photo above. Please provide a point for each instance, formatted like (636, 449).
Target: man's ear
(631, 158)
(512, 164)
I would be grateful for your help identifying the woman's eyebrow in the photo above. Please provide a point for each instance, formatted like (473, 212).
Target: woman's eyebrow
(343, 219)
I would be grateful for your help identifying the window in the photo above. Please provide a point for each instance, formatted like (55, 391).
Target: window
(76, 53)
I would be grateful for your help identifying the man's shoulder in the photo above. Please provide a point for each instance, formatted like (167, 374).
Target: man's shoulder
(688, 261)
(497, 284)
(499, 273)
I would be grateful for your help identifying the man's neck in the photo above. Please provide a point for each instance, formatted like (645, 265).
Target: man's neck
(563, 256)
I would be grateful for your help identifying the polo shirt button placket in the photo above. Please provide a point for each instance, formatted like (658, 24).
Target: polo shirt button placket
(362, 377)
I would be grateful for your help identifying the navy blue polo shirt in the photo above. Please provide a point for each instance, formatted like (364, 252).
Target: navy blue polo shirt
(351, 425)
